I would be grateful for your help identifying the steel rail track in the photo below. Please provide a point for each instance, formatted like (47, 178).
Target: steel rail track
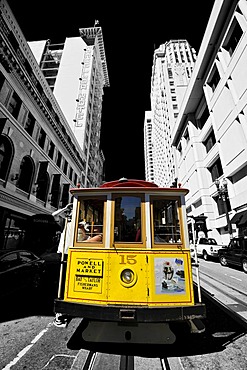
(228, 310)
(90, 361)
(222, 283)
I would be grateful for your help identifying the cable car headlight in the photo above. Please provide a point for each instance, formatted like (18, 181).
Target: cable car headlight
(128, 277)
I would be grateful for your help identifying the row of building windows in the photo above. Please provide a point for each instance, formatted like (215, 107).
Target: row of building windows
(229, 45)
(46, 187)
(15, 106)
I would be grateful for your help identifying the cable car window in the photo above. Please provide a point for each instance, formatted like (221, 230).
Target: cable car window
(166, 221)
(127, 226)
(90, 220)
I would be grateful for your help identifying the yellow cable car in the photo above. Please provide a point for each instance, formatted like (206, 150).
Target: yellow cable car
(129, 268)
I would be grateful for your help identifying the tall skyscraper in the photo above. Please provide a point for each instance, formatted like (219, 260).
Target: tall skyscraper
(76, 71)
(172, 67)
(148, 147)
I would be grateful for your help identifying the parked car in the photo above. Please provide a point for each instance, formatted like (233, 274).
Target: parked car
(207, 248)
(20, 270)
(235, 254)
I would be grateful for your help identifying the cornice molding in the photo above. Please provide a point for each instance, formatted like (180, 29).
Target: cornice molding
(95, 34)
(16, 203)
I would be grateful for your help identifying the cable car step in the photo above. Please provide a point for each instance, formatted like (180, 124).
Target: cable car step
(196, 326)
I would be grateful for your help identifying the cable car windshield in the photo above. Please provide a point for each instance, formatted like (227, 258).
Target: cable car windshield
(127, 225)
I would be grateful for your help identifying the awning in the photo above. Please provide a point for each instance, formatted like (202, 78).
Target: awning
(243, 220)
(45, 221)
(239, 218)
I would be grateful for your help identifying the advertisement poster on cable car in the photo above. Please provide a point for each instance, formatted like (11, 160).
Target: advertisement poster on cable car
(169, 275)
(171, 279)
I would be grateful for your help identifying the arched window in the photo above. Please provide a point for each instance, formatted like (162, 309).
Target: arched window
(6, 156)
(26, 174)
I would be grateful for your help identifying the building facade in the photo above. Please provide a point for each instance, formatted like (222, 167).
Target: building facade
(210, 134)
(41, 154)
(148, 147)
(172, 68)
(76, 71)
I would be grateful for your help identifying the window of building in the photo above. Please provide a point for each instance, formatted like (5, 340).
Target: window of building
(14, 105)
(170, 75)
(2, 79)
(214, 78)
(65, 167)
(71, 173)
(65, 195)
(43, 181)
(6, 156)
(41, 138)
(216, 170)
(50, 62)
(26, 174)
(5, 93)
(188, 72)
(59, 159)
(198, 203)
(209, 141)
(233, 37)
(55, 190)
(51, 150)
(188, 209)
(187, 136)
(29, 125)
(14, 233)
(203, 117)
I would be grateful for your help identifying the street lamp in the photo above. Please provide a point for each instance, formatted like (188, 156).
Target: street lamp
(223, 194)
(196, 258)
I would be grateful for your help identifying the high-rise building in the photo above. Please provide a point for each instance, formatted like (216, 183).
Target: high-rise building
(173, 64)
(76, 71)
(210, 134)
(148, 147)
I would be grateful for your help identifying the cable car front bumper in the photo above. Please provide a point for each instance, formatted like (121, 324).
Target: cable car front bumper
(133, 314)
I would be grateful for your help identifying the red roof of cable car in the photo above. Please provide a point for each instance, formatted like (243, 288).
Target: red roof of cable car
(132, 183)
(128, 183)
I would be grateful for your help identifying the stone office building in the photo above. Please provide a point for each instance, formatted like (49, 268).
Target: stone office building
(210, 134)
(41, 156)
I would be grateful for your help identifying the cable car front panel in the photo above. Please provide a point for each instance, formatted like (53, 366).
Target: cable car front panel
(139, 270)
(136, 277)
